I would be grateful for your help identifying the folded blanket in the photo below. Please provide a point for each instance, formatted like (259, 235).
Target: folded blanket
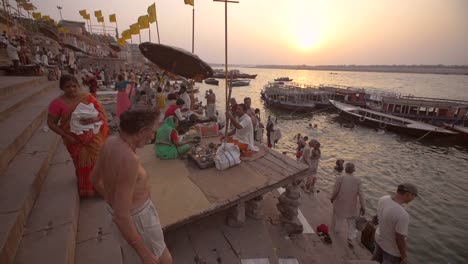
(83, 111)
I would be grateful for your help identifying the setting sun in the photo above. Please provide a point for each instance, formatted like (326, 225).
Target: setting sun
(307, 38)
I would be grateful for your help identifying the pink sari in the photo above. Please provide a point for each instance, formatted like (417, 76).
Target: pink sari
(123, 100)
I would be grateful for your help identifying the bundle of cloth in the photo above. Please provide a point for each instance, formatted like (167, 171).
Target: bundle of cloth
(84, 111)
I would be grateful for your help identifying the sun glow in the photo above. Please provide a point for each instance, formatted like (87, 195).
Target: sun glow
(307, 38)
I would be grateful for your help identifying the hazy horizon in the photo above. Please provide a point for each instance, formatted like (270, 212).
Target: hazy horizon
(298, 32)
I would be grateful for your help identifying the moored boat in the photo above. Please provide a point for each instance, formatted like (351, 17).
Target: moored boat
(220, 74)
(429, 110)
(390, 122)
(296, 97)
(236, 83)
(211, 81)
(284, 79)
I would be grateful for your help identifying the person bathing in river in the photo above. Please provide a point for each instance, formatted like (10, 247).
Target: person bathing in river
(301, 144)
(311, 157)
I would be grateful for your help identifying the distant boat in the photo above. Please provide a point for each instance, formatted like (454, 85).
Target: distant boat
(235, 83)
(293, 96)
(283, 79)
(211, 81)
(390, 122)
(233, 74)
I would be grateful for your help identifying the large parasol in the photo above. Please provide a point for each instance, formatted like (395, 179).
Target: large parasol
(176, 61)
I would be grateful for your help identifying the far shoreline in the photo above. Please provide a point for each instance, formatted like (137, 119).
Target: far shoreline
(419, 69)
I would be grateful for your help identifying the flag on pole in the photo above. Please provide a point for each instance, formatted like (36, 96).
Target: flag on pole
(98, 13)
(46, 18)
(36, 15)
(135, 29)
(143, 22)
(87, 16)
(112, 18)
(100, 19)
(121, 42)
(83, 13)
(27, 6)
(152, 13)
(189, 2)
(126, 34)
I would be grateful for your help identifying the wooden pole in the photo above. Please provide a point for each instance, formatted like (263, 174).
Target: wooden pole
(228, 94)
(149, 33)
(157, 27)
(139, 35)
(193, 28)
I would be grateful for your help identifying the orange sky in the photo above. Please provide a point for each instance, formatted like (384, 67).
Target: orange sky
(312, 32)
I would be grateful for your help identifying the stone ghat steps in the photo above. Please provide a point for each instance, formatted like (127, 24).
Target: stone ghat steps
(10, 104)
(50, 232)
(12, 85)
(19, 127)
(19, 187)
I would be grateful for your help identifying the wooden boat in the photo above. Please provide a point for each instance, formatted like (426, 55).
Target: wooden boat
(358, 96)
(211, 81)
(390, 122)
(462, 129)
(236, 83)
(284, 79)
(429, 110)
(296, 97)
(220, 74)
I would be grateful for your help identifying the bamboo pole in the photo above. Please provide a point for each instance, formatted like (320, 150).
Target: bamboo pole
(193, 28)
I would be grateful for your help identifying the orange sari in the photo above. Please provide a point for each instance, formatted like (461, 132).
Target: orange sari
(85, 153)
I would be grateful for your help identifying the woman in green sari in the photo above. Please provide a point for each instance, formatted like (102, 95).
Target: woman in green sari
(168, 145)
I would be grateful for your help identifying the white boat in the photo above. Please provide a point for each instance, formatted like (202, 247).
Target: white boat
(240, 83)
(390, 122)
(294, 96)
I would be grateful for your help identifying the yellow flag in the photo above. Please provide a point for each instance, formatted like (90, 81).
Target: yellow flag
(112, 18)
(36, 15)
(143, 22)
(121, 42)
(135, 29)
(98, 13)
(189, 2)
(46, 18)
(126, 34)
(83, 13)
(27, 6)
(100, 19)
(152, 13)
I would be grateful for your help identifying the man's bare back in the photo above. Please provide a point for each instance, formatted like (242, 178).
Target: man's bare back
(116, 160)
(211, 98)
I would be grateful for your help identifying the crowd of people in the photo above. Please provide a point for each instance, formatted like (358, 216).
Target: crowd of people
(126, 190)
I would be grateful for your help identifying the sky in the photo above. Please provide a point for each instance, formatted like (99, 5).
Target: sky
(296, 32)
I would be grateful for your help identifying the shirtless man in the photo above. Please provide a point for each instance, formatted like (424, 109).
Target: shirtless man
(120, 178)
(211, 104)
(250, 112)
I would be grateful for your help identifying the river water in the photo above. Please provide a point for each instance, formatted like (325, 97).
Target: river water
(439, 216)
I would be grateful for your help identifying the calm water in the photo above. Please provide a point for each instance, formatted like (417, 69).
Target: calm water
(439, 217)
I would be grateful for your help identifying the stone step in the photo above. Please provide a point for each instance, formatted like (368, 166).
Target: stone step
(18, 128)
(50, 232)
(11, 85)
(19, 187)
(94, 243)
(10, 104)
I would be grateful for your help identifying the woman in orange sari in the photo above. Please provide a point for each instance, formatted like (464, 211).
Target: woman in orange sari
(83, 148)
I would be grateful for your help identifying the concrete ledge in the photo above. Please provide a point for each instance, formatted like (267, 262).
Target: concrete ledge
(98, 250)
(19, 187)
(50, 232)
(13, 84)
(8, 105)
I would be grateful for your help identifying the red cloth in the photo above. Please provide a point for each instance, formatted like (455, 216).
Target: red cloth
(174, 136)
(323, 228)
(171, 111)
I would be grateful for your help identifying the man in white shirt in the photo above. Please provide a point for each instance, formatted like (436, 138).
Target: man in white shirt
(243, 134)
(392, 231)
(186, 97)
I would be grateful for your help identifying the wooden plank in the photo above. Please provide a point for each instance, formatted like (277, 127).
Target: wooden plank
(282, 164)
(290, 161)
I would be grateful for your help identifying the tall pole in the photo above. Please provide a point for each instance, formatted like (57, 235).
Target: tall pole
(157, 27)
(226, 56)
(193, 28)
(149, 32)
(60, 11)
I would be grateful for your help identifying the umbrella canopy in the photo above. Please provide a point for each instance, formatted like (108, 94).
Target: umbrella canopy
(176, 61)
